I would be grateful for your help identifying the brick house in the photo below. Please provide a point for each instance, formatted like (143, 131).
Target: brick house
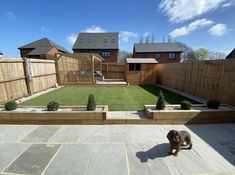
(41, 49)
(104, 44)
(231, 54)
(162, 52)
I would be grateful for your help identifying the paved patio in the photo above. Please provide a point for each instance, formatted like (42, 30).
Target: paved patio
(114, 150)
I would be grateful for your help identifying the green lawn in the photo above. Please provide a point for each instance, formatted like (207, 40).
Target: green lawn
(117, 98)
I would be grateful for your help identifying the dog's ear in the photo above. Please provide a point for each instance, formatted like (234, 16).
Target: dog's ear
(169, 135)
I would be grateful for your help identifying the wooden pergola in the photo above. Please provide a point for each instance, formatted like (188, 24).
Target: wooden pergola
(77, 68)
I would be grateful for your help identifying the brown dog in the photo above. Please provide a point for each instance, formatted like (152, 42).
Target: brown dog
(177, 139)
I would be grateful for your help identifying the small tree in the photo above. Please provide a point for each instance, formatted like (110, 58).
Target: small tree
(161, 103)
(91, 106)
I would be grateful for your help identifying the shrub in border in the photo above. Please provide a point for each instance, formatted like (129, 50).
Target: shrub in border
(161, 103)
(11, 105)
(53, 106)
(186, 105)
(91, 106)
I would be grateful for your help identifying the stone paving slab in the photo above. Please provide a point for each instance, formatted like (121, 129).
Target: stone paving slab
(115, 149)
(16, 133)
(34, 160)
(41, 134)
(9, 152)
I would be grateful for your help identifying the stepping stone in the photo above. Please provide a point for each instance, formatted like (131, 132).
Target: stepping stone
(34, 160)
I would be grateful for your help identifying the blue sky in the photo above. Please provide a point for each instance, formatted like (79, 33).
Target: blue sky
(198, 23)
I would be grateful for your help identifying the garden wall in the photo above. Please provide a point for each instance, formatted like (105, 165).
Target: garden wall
(206, 79)
(19, 78)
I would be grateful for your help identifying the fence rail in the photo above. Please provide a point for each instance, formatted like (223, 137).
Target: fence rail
(206, 79)
(20, 78)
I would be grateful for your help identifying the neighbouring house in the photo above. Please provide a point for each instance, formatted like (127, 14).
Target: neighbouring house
(41, 49)
(141, 70)
(231, 54)
(1, 54)
(104, 44)
(162, 52)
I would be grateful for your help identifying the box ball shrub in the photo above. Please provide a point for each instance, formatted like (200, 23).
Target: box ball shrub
(161, 103)
(91, 106)
(186, 105)
(213, 104)
(53, 106)
(11, 105)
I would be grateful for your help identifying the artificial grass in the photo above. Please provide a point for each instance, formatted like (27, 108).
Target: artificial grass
(127, 98)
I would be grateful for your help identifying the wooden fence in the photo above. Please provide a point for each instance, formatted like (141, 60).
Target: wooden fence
(113, 70)
(20, 78)
(206, 79)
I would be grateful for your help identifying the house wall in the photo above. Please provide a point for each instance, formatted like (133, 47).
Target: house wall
(51, 54)
(163, 59)
(146, 75)
(113, 54)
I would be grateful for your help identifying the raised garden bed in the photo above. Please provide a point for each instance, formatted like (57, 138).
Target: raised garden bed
(199, 114)
(64, 115)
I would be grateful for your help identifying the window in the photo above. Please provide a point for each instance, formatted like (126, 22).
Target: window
(171, 55)
(158, 55)
(106, 54)
(134, 67)
(144, 55)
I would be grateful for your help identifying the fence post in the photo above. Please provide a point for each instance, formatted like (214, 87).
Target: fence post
(58, 56)
(28, 77)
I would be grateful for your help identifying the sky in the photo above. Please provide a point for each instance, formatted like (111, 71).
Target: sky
(198, 23)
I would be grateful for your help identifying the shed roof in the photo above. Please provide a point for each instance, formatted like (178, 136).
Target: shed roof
(231, 54)
(96, 41)
(157, 47)
(44, 42)
(142, 60)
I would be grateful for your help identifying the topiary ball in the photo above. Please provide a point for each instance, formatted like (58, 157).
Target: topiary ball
(161, 103)
(213, 104)
(11, 105)
(186, 105)
(52, 106)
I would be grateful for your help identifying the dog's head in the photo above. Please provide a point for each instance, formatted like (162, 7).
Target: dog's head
(173, 136)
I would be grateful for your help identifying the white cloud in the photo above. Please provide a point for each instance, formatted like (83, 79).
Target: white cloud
(71, 38)
(182, 10)
(218, 30)
(125, 36)
(10, 14)
(185, 30)
(45, 30)
(94, 29)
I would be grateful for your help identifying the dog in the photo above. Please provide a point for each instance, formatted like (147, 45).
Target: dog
(177, 139)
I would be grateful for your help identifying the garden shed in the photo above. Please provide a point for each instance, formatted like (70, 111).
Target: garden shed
(78, 68)
(141, 70)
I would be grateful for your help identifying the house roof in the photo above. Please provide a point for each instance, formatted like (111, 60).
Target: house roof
(142, 60)
(1, 53)
(230, 55)
(44, 42)
(96, 41)
(40, 51)
(157, 47)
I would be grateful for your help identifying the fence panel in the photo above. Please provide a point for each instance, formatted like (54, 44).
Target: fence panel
(15, 81)
(113, 71)
(206, 79)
